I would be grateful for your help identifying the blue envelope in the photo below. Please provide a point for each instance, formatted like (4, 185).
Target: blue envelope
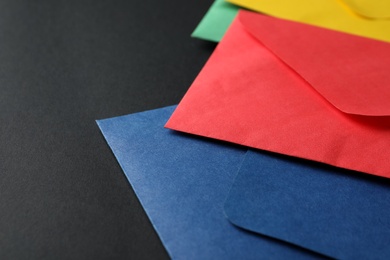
(339, 213)
(182, 182)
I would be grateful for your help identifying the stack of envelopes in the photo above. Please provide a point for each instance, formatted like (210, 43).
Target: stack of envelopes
(280, 149)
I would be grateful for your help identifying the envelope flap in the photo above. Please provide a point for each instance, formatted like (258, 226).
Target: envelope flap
(332, 211)
(350, 72)
(373, 9)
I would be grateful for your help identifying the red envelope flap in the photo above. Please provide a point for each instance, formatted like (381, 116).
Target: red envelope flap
(247, 95)
(351, 72)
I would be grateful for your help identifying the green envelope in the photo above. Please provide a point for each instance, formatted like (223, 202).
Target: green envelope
(216, 21)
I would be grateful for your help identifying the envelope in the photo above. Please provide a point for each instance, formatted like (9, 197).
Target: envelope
(341, 214)
(182, 183)
(359, 17)
(294, 89)
(370, 9)
(216, 21)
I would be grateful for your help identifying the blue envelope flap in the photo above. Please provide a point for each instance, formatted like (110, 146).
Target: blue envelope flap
(182, 182)
(335, 212)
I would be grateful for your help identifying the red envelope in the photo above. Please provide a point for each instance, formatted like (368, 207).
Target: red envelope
(295, 89)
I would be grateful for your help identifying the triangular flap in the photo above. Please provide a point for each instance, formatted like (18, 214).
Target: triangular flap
(351, 72)
(373, 9)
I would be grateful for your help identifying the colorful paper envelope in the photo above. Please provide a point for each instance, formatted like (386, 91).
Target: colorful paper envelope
(295, 89)
(364, 18)
(328, 210)
(182, 183)
(216, 21)
(377, 9)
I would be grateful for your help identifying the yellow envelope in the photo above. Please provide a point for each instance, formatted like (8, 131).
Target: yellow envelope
(369, 18)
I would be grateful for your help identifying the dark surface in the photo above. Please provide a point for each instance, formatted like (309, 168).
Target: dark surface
(64, 64)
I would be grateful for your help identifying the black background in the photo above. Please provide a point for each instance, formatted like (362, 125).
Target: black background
(64, 64)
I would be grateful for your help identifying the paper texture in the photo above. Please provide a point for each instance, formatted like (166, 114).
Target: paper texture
(216, 21)
(182, 183)
(350, 16)
(299, 103)
(335, 212)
